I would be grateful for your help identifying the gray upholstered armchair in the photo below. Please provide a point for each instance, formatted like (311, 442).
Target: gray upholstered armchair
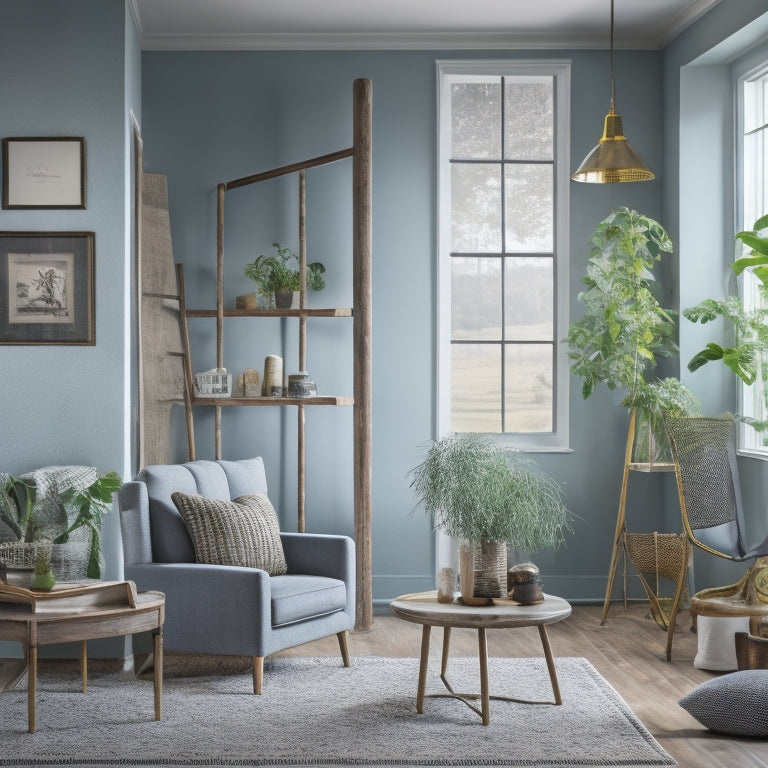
(221, 609)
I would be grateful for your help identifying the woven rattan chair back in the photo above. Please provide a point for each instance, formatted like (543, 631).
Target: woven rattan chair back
(704, 453)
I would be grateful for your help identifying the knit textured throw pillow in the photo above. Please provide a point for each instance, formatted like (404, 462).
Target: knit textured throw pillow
(242, 532)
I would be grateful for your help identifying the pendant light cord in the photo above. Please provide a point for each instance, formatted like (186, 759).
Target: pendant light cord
(613, 79)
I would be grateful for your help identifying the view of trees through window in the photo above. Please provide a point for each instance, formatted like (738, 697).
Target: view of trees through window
(502, 235)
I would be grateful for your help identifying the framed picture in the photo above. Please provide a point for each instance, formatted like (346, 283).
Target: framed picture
(44, 173)
(47, 288)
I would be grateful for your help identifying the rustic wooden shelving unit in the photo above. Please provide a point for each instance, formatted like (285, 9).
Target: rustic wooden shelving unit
(360, 153)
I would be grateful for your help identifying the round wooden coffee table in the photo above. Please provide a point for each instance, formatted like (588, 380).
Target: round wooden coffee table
(423, 608)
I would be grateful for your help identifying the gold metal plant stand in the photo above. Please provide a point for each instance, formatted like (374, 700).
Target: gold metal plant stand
(656, 554)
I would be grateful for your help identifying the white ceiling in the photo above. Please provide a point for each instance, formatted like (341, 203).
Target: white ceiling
(364, 24)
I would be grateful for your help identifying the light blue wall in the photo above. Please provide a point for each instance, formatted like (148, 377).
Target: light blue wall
(73, 69)
(211, 117)
(63, 69)
(699, 212)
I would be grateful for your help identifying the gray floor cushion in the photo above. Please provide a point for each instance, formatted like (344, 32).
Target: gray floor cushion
(736, 704)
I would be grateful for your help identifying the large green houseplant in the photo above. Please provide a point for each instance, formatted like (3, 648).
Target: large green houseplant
(747, 358)
(625, 330)
(487, 497)
(28, 516)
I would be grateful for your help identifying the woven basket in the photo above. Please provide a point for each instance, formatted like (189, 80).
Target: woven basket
(69, 562)
(483, 570)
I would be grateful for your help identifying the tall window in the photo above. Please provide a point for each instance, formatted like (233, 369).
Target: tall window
(503, 265)
(752, 157)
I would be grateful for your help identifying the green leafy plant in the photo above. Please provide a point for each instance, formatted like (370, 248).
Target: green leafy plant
(748, 357)
(281, 272)
(624, 329)
(25, 518)
(475, 490)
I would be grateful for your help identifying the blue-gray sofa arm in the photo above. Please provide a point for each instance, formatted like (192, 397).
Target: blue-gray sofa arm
(210, 608)
(318, 554)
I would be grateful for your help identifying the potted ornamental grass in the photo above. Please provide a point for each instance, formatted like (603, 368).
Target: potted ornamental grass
(489, 499)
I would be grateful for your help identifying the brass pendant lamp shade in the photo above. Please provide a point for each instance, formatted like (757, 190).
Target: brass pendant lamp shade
(614, 159)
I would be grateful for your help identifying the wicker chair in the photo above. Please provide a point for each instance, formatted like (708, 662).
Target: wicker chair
(704, 453)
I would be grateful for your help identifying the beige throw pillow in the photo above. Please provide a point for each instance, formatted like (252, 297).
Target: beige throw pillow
(242, 532)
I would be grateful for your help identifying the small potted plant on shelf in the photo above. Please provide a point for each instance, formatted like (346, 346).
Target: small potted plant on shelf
(279, 275)
(748, 357)
(58, 509)
(488, 498)
(625, 330)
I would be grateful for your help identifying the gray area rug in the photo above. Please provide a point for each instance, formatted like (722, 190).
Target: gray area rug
(314, 712)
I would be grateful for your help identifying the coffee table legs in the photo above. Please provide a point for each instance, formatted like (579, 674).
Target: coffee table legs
(425, 632)
(484, 696)
(550, 663)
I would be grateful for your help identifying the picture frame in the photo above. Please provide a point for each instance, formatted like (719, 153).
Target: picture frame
(47, 293)
(41, 172)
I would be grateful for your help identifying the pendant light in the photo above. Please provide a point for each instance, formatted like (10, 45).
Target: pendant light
(613, 159)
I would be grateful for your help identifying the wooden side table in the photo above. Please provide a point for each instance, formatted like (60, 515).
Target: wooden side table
(423, 608)
(49, 623)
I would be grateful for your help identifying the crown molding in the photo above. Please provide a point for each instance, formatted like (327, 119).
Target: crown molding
(379, 42)
(684, 19)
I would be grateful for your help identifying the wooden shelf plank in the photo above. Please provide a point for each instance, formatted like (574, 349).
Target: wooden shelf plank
(327, 312)
(642, 466)
(320, 400)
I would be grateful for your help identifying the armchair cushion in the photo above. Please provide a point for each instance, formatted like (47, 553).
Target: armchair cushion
(242, 532)
(296, 598)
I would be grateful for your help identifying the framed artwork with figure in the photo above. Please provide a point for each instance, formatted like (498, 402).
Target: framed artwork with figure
(47, 288)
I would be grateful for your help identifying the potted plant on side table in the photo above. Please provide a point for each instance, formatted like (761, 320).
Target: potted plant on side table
(55, 513)
(488, 498)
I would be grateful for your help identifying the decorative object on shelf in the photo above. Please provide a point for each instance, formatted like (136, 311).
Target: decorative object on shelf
(256, 300)
(214, 383)
(281, 275)
(61, 506)
(614, 159)
(248, 383)
(479, 493)
(46, 281)
(44, 172)
(272, 383)
(748, 358)
(624, 329)
(301, 384)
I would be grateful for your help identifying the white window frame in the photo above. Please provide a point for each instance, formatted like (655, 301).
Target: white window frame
(560, 70)
(749, 396)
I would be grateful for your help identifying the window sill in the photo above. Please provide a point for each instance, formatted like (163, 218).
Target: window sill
(753, 453)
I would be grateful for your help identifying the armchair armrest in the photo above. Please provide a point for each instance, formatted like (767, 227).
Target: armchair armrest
(210, 608)
(316, 554)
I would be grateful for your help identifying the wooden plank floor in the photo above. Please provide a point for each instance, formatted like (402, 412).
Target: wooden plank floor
(628, 651)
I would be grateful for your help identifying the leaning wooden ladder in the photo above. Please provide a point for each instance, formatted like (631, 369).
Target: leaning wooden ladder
(657, 554)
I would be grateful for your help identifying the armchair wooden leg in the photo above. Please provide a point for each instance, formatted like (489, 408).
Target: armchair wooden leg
(258, 674)
(343, 646)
